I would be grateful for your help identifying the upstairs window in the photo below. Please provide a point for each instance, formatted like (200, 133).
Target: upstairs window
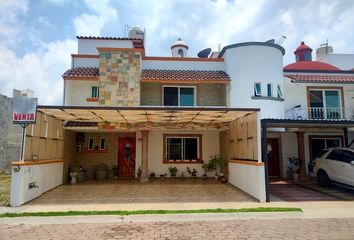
(95, 92)
(269, 90)
(257, 89)
(103, 144)
(180, 53)
(279, 92)
(178, 96)
(91, 144)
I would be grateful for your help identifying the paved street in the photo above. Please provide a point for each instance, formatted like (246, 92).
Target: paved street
(227, 229)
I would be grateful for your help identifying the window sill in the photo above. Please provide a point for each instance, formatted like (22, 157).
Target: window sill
(182, 162)
(96, 151)
(267, 98)
(92, 99)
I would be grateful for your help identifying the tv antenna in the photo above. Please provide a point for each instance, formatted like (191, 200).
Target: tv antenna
(281, 40)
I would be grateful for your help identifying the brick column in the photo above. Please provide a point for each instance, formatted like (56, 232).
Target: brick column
(301, 155)
(144, 156)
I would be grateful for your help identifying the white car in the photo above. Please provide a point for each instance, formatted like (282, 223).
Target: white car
(336, 167)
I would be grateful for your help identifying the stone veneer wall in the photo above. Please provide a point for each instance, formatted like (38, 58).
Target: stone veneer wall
(119, 78)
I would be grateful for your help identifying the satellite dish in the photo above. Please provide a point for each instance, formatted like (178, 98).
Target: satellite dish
(204, 53)
(272, 41)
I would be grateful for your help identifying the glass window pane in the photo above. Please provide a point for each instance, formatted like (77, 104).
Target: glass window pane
(186, 96)
(103, 144)
(316, 99)
(269, 89)
(191, 148)
(337, 155)
(257, 89)
(174, 148)
(170, 96)
(331, 143)
(280, 94)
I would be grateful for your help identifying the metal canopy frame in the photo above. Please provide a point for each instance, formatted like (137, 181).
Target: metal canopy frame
(298, 123)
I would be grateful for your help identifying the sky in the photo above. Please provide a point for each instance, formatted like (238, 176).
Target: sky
(37, 37)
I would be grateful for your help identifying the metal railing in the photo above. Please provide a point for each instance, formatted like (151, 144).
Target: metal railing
(315, 113)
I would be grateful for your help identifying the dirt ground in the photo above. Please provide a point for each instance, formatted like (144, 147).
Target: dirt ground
(5, 185)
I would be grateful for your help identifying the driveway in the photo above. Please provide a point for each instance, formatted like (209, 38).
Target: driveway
(252, 229)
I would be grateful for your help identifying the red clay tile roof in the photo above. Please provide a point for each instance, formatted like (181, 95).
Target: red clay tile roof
(321, 78)
(311, 65)
(81, 73)
(80, 124)
(184, 76)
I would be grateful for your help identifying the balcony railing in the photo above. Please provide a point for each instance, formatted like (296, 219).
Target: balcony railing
(315, 113)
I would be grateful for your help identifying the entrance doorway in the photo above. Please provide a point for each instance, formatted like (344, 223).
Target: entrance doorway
(273, 157)
(126, 157)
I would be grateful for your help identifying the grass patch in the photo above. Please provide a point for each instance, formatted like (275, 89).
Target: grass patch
(5, 186)
(143, 212)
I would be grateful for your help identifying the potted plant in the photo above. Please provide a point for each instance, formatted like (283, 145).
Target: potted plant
(173, 171)
(192, 173)
(139, 172)
(208, 167)
(205, 167)
(217, 162)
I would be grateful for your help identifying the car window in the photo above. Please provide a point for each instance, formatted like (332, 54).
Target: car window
(349, 156)
(337, 155)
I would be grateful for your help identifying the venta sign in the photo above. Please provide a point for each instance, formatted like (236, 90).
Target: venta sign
(24, 110)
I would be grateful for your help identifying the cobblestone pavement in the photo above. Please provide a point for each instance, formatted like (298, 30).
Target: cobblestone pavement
(237, 229)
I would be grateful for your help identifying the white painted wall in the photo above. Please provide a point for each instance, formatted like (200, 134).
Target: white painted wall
(295, 94)
(85, 62)
(89, 46)
(183, 65)
(247, 65)
(288, 142)
(340, 60)
(76, 92)
(210, 147)
(45, 176)
(248, 178)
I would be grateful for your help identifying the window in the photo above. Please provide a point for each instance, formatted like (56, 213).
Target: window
(95, 92)
(178, 96)
(269, 90)
(319, 143)
(91, 144)
(257, 89)
(180, 148)
(180, 53)
(103, 144)
(279, 92)
(307, 57)
(324, 104)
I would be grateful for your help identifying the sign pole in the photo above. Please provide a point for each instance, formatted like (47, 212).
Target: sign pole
(22, 154)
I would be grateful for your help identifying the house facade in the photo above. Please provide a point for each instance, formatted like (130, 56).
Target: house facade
(141, 115)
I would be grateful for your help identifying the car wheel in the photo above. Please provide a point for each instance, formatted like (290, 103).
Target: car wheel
(323, 179)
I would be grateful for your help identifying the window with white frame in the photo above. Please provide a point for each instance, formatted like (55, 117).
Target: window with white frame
(95, 91)
(324, 103)
(269, 90)
(257, 89)
(103, 143)
(179, 96)
(91, 143)
(279, 92)
(182, 148)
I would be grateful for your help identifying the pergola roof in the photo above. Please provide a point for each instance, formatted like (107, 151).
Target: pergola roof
(147, 117)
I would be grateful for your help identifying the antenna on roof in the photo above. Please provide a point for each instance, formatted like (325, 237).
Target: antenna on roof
(219, 47)
(281, 40)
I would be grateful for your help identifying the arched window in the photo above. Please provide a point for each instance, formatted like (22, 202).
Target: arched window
(180, 53)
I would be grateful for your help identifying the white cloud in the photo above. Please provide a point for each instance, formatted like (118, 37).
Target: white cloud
(91, 24)
(39, 71)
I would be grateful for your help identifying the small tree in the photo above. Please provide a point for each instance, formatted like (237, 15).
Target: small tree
(216, 162)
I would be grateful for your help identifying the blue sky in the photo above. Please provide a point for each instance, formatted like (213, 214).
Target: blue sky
(38, 36)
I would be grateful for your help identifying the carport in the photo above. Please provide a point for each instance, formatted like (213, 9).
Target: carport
(300, 127)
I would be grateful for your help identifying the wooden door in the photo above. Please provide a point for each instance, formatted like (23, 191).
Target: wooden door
(126, 157)
(273, 157)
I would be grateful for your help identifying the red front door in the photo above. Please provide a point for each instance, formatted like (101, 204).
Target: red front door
(126, 157)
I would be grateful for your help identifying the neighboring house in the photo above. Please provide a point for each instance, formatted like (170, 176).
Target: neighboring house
(10, 134)
(144, 114)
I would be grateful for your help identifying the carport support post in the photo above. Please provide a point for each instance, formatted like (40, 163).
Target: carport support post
(301, 155)
(346, 142)
(144, 154)
(265, 158)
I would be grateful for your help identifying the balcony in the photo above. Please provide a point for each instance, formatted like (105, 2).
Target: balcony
(315, 113)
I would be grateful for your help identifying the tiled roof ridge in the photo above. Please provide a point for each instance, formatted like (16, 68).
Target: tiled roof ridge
(81, 72)
(323, 78)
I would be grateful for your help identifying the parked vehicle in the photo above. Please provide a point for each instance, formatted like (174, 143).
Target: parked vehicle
(336, 167)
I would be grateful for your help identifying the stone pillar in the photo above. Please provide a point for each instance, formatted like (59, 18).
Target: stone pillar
(144, 156)
(301, 155)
